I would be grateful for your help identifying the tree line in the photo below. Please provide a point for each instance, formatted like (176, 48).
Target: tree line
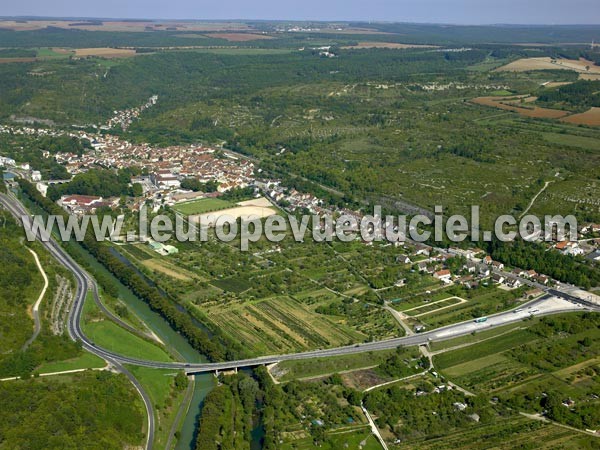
(568, 269)
(100, 182)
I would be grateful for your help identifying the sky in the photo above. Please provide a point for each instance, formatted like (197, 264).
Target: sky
(420, 11)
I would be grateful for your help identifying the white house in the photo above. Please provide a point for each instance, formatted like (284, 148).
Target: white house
(443, 275)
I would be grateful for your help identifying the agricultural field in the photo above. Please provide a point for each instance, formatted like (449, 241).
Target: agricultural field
(104, 52)
(119, 26)
(277, 298)
(570, 140)
(289, 370)
(54, 53)
(546, 63)
(239, 37)
(439, 308)
(590, 117)
(510, 103)
(434, 307)
(281, 325)
(470, 339)
(514, 363)
(392, 45)
(85, 361)
(338, 439)
(504, 434)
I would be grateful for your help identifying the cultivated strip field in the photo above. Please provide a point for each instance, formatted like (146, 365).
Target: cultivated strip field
(280, 324)
(435, 306)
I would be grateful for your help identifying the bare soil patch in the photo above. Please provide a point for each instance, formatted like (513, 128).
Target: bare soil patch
(260, 202)
(257, 207)
(362, 379)
(590, 117)
(158, 267)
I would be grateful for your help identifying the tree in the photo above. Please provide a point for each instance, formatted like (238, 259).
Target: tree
(181, 381)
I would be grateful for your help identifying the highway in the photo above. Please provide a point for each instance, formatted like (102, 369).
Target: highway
(553, 302)
(82, 279)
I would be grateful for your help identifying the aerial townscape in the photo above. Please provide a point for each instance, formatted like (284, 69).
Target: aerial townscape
(375, 337)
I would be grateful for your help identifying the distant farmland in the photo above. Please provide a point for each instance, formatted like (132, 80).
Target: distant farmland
(105, 52)
(547, 63)
(388, 45)
(590, 117)
(239, 37)
(510, 104)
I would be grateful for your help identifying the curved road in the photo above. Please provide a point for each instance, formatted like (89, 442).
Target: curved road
(552, 303)
(35, 310)
(17, 210)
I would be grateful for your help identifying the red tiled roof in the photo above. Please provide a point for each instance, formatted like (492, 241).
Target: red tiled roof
(81, 199)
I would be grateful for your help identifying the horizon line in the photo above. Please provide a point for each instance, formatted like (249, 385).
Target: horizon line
(324, 21)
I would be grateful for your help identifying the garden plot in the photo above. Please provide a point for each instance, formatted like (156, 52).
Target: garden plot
(434, 306)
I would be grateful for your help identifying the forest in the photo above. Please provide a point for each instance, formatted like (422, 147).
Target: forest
(580, 95)
(91, 410)
(227, 415)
